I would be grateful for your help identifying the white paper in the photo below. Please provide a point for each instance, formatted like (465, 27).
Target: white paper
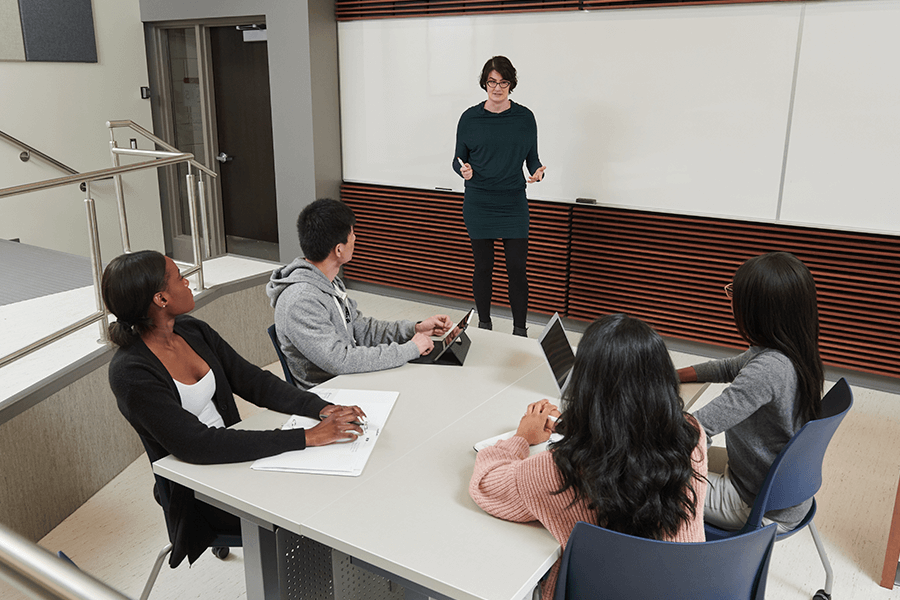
(341, 458)
(554, 437)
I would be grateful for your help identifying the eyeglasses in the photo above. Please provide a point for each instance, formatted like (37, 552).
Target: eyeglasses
(729, 290)
(492, 84)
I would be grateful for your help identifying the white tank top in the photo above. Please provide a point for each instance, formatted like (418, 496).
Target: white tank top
(197, 399)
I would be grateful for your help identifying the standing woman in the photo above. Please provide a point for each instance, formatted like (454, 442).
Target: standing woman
(174, 379)
(776, 385)
(493, 140)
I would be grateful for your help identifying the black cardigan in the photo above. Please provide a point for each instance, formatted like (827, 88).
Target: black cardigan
(147, 397)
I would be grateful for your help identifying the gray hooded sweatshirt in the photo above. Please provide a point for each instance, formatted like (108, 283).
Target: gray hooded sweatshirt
(322, 333)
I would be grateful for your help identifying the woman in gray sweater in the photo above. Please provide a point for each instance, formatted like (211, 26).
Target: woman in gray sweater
(776, 385)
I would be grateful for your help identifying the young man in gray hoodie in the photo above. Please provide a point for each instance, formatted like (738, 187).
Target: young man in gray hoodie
(319, 328)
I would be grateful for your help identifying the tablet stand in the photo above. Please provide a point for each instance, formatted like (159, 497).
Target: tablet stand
(456, 353)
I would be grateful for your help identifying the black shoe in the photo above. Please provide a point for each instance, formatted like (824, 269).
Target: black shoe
(520, 331)
(485, 325)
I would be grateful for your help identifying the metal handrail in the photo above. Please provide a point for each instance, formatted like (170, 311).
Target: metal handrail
(23, 146)
(39, 574)
(115, 151)
(92, 175)
(29, 150)
(137, 128)
(101, 314)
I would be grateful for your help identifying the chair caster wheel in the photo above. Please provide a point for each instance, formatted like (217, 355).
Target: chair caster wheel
(221, 552)
(821, 595)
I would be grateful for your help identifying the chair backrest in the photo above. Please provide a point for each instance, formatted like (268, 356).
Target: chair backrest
(796, 474)
(281, 357)
(602, 564)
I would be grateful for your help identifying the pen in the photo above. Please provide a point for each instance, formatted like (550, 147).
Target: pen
(461, 163)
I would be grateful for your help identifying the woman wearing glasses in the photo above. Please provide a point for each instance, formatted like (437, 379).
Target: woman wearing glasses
(776, 385)
(493, 140)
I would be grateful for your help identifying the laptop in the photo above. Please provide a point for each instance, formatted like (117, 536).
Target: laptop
(561, 358)
(452, 349)
(558, 352)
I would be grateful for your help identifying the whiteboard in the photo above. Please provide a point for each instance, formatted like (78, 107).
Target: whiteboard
(843, 166)
(678, 109)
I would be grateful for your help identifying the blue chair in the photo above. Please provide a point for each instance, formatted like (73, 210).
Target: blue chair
(606, 565)
(796, 476)
(281, 357)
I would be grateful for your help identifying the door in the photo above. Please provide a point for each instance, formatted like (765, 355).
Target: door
(212, 98)
(240, 77)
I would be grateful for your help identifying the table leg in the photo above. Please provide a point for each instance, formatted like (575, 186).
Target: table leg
(260, 562)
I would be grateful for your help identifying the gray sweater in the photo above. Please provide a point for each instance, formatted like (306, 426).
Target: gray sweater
(756, 412)
(314, 332)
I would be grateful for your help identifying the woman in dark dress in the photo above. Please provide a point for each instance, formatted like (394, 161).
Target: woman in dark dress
(493, 140)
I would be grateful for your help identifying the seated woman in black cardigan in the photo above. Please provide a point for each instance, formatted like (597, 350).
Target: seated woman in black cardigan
(174, 380)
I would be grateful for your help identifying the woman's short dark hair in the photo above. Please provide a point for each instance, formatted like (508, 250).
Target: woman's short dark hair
(775, 306)
(502, 65)
(128, 285)
(323, 225)
(627, 445)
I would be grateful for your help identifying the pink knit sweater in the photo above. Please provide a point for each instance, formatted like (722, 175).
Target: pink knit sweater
(509, 484)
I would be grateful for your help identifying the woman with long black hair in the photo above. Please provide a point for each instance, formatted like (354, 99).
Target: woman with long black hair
(629, 460)
(776, 385)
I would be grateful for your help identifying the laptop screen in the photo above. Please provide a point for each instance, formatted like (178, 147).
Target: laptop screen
(557, 351)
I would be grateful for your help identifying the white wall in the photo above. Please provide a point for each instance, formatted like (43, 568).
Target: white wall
(61, 109)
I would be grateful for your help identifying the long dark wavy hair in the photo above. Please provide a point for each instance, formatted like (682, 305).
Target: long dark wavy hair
(627, 444)
(128, 285)
(775, 306)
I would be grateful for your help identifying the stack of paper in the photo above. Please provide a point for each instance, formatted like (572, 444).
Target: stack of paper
(341, 458)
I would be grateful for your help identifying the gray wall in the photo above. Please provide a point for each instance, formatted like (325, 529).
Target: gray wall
(302, 45)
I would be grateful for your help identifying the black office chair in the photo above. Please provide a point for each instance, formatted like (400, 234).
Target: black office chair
(220, 544)
(606, 565)
(796, 476)
(281, 357)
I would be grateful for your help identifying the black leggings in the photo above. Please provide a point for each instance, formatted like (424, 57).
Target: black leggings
(516, 251)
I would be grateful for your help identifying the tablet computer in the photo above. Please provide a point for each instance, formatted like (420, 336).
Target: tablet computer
(442, 346)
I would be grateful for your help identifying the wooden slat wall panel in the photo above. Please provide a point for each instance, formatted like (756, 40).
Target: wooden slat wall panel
(354, 10)
(416, 240)
(585, 261)
(670, 270)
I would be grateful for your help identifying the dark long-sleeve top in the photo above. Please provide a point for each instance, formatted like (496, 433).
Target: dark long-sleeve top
(496, 145)
(147, 397)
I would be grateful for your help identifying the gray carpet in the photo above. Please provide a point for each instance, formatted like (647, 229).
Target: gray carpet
(28, 272)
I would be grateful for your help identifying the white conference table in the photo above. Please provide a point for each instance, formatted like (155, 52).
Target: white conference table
(409, 514)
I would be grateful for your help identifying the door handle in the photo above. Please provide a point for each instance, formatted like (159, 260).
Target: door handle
(224, 158)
